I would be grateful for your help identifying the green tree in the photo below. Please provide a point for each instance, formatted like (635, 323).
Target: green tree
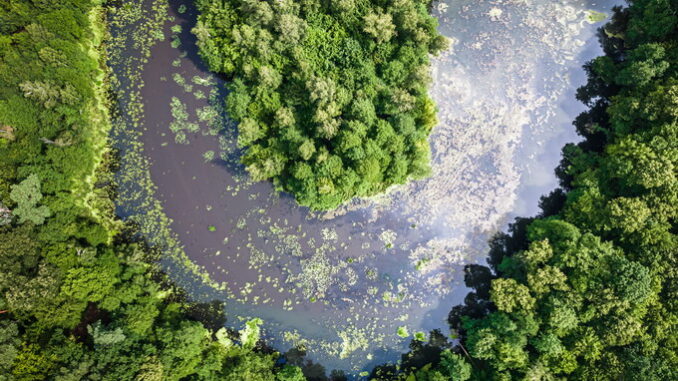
(9, 347)
(509, 295)
(27, 196)
(380, 26)
(315, 80)
(290, 373)
(5, 215)
(454, 367)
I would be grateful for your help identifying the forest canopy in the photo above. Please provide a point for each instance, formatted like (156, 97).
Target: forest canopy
(80, 298)
(331, 97)
(587, 290)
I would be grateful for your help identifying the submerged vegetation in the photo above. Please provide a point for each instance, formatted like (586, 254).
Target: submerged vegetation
(331, 97)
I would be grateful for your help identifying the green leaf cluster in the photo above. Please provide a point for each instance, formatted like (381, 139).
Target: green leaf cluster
(80, 297)
(331, 97)
(587, 290)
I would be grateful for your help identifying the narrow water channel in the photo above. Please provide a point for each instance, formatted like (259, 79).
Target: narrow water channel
(341, 283)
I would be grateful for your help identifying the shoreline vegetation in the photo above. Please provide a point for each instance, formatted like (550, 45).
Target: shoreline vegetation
(80, 298)
(586, 290)
(136, 26)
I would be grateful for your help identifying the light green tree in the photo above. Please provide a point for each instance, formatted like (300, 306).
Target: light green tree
(105, 337)
(27, 196)
(510, 295)
(291, 28)
(307, 149)
(380, 26)
(248, 132)
(290, 373)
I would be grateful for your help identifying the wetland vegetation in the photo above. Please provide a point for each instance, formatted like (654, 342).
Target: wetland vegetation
(332, 103)
(80, 297)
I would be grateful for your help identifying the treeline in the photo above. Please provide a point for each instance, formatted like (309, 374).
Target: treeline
(588, 290)
(330, 96)
(79, 299)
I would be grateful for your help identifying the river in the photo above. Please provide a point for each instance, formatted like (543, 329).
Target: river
(341, 283)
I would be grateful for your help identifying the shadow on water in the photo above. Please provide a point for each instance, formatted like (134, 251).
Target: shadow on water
(188, 19)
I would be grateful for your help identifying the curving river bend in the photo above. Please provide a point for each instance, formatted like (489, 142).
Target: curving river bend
(341, 283)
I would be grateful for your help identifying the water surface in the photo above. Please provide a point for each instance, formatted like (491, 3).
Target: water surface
(342, 282)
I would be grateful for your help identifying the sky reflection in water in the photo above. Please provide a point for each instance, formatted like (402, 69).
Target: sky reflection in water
(342, 282)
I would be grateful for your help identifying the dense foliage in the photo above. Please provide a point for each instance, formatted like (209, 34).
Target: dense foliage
(588, 290)
(330, 96)
(77, 299)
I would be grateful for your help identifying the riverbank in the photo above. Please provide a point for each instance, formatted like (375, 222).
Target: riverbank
(342, 284)
(80, 295)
